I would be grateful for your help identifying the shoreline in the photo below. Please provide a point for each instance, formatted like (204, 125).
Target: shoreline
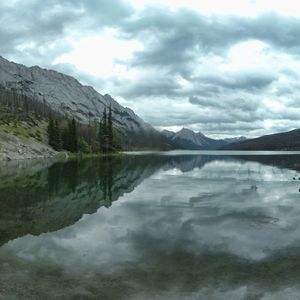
(57, 156)
(66, 156)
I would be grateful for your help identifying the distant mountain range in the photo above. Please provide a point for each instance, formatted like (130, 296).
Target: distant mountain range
(190, 140)
(279, 141)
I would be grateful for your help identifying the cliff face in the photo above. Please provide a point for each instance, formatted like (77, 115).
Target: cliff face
(67, 95)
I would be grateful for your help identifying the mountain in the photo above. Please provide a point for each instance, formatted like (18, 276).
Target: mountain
(67, 95)
(168, 134)
(235, 140)
(190, 140)
(279, 141)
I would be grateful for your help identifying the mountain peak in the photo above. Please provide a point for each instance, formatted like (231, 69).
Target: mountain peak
(66, 94)
(188, 139)
(167, 133)
(184, 129)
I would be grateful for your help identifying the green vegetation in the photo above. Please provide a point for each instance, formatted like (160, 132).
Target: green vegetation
(25, 118)
(23, 128)
(79, 138)
(54, 135)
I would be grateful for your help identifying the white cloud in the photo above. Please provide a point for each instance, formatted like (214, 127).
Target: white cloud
(102, 55)
(221, 7)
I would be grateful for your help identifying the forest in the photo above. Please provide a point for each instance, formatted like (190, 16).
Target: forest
(64, 132)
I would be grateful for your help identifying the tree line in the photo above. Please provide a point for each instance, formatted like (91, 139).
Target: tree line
(18, 106)
(64, 132)
(76, 137)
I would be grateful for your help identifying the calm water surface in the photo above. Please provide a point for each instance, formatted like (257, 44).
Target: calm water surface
(158, 226)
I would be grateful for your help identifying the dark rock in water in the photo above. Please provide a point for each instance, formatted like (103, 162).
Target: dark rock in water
(294, 178)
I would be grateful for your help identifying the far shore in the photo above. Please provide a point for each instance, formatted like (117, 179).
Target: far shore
(65, 156)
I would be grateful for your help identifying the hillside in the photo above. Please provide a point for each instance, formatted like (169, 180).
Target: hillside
(67, 95)
(279, 141)
(23, 131)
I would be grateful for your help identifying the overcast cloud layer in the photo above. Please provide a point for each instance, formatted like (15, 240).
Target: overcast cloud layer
(223, 70)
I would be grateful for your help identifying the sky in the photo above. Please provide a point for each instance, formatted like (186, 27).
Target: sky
(225, 68)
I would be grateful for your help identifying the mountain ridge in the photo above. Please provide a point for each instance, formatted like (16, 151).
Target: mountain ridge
(190, 140)
(66, 94)
(289, 140)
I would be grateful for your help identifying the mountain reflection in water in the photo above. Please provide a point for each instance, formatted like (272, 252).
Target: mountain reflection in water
(184, 227)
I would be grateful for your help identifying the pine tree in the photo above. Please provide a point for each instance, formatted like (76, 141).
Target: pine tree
(117, 142)
(101, 136)
(51, 131)
(110, 145)
(66, 139)
(54, 135)
(104, 122)
(103, 132)
(83, 146)
(73, 136)
(57, 141)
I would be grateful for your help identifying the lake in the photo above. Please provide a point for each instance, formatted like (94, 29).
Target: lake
(171, 225)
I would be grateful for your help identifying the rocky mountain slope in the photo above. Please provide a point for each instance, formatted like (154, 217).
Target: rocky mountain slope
(190, 140)
(279, 141)
(67, 95)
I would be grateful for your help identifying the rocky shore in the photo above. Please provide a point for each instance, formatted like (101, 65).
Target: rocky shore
(15, 148)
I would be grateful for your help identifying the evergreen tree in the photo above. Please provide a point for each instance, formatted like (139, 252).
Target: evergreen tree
(101, 136)
(57, 141)
(117, 142)
(54, 135)
(73, 136)
(103, 132)
(83, 146)
(66, 139)
(104, 122)
(51, 131)
(110, 145)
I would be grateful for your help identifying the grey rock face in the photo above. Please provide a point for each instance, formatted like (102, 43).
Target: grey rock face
(68, 95)
(190, 140)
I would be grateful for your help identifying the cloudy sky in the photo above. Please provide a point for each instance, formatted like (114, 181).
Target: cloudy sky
(225, 68)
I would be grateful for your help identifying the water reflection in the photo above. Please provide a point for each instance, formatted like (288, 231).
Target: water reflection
(184, 227)
(42, 198)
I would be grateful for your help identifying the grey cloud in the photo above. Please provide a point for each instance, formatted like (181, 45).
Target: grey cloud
(240, 80)
(45, 22)
(211, 116)
(152, 86)
(106, 12)
(232, 129)
(208, 86)
(290, 73)
(177, 39)
(37, 24)
(231, 103)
